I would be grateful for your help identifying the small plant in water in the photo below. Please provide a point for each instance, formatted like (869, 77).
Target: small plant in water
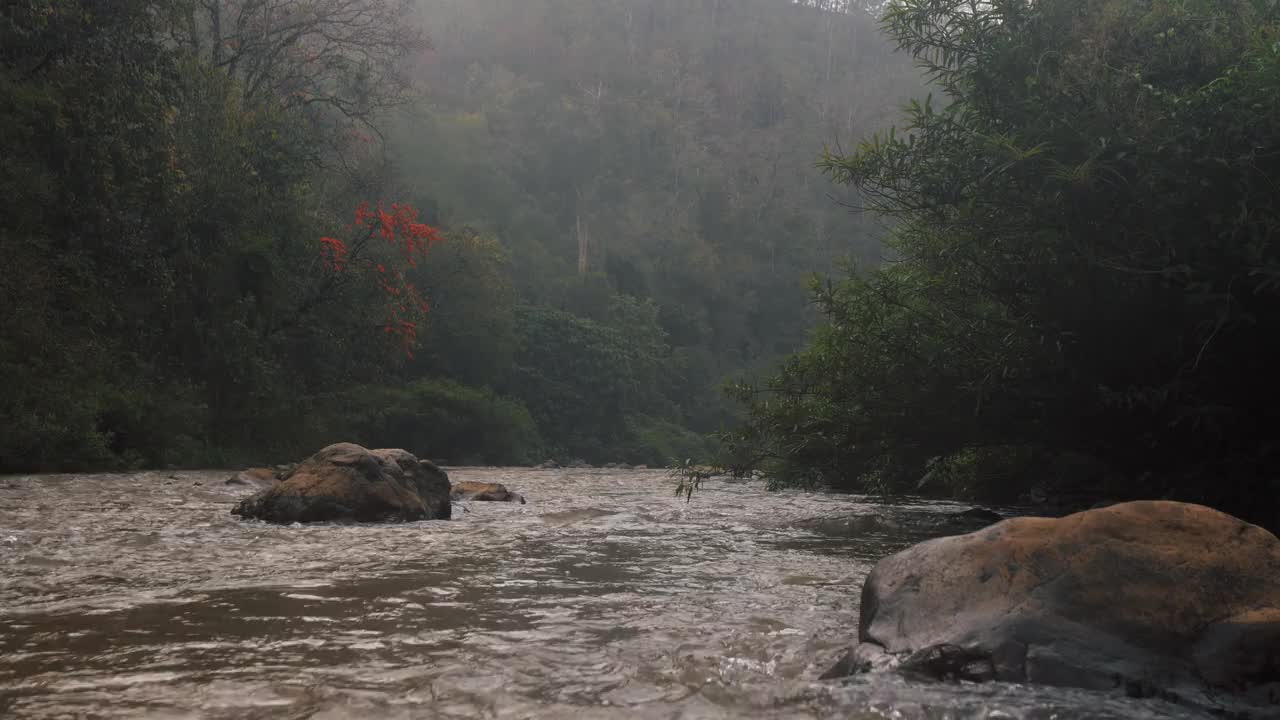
(689, 477)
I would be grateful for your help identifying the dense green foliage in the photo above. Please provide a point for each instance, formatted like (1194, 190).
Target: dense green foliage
(474, 425)
(625, 192)
(1084, 287)
(165, 299)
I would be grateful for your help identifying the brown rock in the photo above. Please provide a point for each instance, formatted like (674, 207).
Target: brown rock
(470, 490)
(1152, 598)
(346, 482)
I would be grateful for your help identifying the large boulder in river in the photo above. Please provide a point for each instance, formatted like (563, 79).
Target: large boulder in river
(1151, 598)
(496, 492)
(346, 482)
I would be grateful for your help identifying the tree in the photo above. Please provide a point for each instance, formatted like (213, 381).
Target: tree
(582, 380)
(342, 64)
(470, 334)
(1086, 253)
(170, 299)
(348, 55)
(84, 97)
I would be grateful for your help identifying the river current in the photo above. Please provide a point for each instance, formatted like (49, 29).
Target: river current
(605, 596)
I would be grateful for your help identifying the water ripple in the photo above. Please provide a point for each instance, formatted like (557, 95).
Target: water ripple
(604, 597)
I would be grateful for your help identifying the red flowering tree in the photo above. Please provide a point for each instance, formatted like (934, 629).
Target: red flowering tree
(386, 264)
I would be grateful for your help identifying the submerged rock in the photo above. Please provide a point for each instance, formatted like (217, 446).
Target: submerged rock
(975, 518)
(346, 482)
(254, 477)
(471, 490)
(846, 525)
(1151, 598)
(899, 522)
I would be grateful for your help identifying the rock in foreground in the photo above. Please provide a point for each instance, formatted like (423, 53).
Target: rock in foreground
(496, 492)
(348, 483)
(1152, 598)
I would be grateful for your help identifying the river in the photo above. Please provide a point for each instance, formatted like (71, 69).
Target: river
(605, 596)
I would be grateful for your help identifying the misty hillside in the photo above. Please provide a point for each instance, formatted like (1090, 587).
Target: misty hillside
(655, 150)
(675, 143)
(606, 210)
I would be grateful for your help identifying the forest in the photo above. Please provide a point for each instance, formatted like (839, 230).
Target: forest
(491, 231)
(1004, 250)
(1083, 292)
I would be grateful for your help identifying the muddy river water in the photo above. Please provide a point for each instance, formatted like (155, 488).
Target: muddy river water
(604, 597)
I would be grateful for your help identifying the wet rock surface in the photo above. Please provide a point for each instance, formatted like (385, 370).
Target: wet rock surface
(348, 483)
(1152, 599)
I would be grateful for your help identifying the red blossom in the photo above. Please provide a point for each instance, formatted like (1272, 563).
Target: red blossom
(334, 252)
(411, 239)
